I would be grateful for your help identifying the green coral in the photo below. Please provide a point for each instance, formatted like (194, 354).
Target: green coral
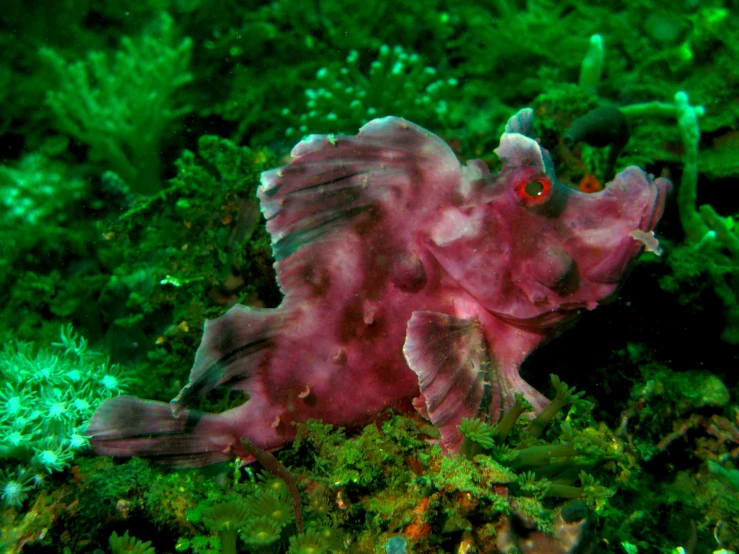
(273, 484)
(478, 432)
(44, 230)
(226, 519)
(49, 395)
(261, 531)
(125, 544)
(310, 542)
(662, 397)
(711, 245)
(120, 105)
(564, 396)
(184, 254)
(398, 83)
(319, 504)
(477, 477)
(273, 506)
(478, 435)
(542, 468)
(591, 68)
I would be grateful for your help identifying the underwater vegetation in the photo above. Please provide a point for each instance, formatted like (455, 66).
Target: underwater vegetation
(47, 398)
(133, 137)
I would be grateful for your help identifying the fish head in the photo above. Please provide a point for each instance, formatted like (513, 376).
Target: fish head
(534, 251)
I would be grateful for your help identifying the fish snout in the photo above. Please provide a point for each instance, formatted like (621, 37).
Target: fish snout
(663, 188)
(642, 195)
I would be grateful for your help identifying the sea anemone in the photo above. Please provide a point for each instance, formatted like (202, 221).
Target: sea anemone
(226, 519)
(128, 545)
(273, 484)
(312, 541)
(261, 531)
(267, 504)
(478, 436)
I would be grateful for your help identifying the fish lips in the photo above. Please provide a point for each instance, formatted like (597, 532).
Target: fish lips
(644, 197)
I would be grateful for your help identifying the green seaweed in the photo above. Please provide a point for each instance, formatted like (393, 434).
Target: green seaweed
(138, 274)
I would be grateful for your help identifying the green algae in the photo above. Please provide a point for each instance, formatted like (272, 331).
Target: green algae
(138, 276)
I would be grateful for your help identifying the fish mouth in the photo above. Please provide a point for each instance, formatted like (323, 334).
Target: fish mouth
(644, 234)
(633, 187)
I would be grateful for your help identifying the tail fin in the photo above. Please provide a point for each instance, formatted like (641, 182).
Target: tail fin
(234, 351)
(129, 426)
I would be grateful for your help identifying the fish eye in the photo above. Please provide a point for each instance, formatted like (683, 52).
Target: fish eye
(534, 192)
(533, 188)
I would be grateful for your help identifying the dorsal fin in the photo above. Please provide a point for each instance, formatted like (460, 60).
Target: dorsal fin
(337, 186)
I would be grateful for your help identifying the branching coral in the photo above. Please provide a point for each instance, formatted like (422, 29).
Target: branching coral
(545, 468)
(711, 244)
(120, 105)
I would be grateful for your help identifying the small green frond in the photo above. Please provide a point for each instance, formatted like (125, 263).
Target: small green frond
(261, 531)
(478, 431)
(267, 504)
(228, 516)
(273, 484)
(129, 545)
(310, 542)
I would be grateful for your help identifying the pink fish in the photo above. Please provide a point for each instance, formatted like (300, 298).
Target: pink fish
(406, 277)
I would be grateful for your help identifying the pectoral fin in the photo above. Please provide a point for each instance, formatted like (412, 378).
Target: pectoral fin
(449, 355)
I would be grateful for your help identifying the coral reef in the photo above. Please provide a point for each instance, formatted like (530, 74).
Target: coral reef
(397, 82)
(46, 400)
(133, 135)
(124, 543)
(120, 105)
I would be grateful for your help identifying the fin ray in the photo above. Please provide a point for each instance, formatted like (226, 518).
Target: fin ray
(447, 353)
(129, 426)
(233, 349)
(335, 181)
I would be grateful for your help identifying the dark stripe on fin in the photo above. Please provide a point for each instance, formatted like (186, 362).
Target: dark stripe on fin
(129, 426)
(333, 182)
(312, 229)
(449, 356)
(234, 347)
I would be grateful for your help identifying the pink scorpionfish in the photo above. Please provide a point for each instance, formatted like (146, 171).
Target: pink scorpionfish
(406, 277)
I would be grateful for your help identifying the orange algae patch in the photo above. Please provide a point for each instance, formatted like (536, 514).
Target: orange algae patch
(590, 184)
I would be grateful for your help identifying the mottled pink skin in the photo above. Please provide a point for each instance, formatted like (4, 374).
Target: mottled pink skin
(369, 230)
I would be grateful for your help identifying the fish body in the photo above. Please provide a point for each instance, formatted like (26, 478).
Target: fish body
(407, 278)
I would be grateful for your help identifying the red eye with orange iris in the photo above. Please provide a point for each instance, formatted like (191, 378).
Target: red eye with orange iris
(534, 192)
